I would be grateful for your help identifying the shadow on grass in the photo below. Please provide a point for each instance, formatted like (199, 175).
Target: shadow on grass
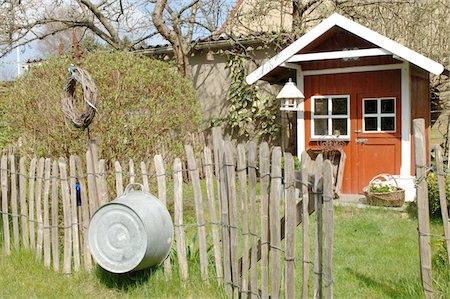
(373, 283)
(126, 281)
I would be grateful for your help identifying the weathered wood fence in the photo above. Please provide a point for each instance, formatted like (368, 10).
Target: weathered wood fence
(422, 169)
(254, 197)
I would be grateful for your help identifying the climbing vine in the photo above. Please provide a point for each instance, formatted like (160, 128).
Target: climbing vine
(251, 112)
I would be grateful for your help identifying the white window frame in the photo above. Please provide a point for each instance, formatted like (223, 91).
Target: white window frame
(330, 116)
(379, 115)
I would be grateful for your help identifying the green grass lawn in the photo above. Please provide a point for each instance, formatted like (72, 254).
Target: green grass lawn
(375, 256)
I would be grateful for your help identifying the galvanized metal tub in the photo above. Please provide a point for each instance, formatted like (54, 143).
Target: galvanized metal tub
(133, 232)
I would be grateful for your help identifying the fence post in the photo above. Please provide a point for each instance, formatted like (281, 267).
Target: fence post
(306, 160)
(318, 259)
(290, 223)
(31, 219)
(14, 206)
(4, 172)
(195, 179)
(422, 206)
(328, 226)
(275, 234)
(67, 218)
(55, 218)
(119, 183)
(264, 172)
(179, 229)
(443, 198)
(145, 177)
(252, 165)
(23, 202)
(230, 167)
(47, 256)
(161, 180)
(74, 214)
(39, 218)
(212, 212)
(85, 213)
(242, 178)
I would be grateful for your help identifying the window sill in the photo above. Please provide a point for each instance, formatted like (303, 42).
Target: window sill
(326, 138)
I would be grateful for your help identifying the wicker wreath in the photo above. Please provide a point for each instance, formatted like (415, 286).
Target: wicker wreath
(84, 118)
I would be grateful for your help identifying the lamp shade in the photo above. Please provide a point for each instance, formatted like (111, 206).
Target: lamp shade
(290, 97)
(290, 91)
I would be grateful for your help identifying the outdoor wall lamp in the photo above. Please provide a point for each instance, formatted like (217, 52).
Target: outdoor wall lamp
(290, 97)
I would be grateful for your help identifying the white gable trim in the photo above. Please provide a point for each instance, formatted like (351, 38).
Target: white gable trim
(355, 28)
(338, 54)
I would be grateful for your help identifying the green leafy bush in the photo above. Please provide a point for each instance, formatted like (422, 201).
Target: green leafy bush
(145, 108)
(433, 193)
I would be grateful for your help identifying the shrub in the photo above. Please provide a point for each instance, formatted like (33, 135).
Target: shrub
(433, 194)
(144, 107)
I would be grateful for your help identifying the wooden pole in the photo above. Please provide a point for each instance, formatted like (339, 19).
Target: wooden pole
(328, 195)
(23, 203)
(179, 229)
(212, 212)
(39, 218)
(55, 218)
(31, 213)
(4, 179)
(67, 265)
(162, 195)
(275, 237)
(318, 259)
(85, 213)
(230, 166)
(224, 218)
(289, 212)
(74, 215)
(242, 178)
(264, 172)
(119, 182)
(198, 200)
(443, 198)
(14, 205)
(47, 253)
(306, 161)
(252, 165)
(423, 216)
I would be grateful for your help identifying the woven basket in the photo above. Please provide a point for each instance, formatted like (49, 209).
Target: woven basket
(394, 198)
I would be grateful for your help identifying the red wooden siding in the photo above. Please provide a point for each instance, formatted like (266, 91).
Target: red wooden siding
(358, 86)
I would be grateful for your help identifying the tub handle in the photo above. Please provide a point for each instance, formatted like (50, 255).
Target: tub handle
(131, 187)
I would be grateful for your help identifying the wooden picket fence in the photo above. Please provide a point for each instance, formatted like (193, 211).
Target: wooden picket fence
(423, 213)
(250, 231)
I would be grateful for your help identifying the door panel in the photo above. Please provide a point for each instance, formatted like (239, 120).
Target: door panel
(378, 156)
(378, 136)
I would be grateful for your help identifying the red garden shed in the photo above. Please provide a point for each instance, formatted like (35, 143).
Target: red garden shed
(362, 88)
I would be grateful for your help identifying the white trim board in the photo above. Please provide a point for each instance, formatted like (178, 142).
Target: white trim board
(355, 28)
(338, 55)
(354, 69)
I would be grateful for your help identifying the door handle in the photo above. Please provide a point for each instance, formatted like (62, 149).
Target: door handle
(362, 140)
(358, 131)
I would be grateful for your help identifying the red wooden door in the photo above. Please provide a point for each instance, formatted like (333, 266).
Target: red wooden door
(377, 136)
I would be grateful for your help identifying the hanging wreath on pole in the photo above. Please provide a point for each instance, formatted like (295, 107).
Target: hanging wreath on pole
(80, 119)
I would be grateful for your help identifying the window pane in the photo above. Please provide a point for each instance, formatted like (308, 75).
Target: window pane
(387, 106)
(321, 127)
(387, 123)
(370, 123)
(339, 126)
(339, 106)
(370, 106)
(321, 106)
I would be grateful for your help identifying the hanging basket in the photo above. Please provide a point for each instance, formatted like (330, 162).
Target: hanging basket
(393, 198)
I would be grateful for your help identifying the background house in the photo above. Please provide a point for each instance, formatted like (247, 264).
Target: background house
(360, 88)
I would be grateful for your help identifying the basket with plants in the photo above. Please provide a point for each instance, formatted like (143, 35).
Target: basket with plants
(383, 190)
